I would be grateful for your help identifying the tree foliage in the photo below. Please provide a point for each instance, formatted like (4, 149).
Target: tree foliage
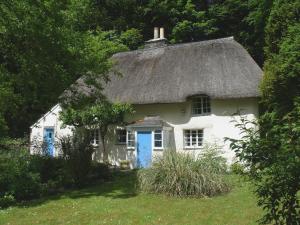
(272, 153)
(43, 51)
(272, 156)
(98, 115)
(47, 45)
(281, 84)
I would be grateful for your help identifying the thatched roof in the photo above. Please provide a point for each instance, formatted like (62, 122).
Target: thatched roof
(219, 68)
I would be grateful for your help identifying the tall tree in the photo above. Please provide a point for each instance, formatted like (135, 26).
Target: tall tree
(43, 49)
(273, 152)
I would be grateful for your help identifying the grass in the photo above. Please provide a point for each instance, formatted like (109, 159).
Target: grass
(117, 202)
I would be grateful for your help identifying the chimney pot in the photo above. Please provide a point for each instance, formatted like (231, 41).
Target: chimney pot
(159, 39)
(156, 32)
(161, 33)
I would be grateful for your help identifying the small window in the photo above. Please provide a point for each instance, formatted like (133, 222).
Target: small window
(193, 138)
(130, 139)
(201, 105)
(94, 136)
(121, 136)
(158, 139)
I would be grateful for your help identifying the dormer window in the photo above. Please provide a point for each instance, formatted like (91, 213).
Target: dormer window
(201, 105)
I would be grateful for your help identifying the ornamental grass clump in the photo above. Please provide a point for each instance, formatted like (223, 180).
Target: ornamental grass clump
(183, 175)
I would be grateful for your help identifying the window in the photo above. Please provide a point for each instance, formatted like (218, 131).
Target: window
(94, 136)
(121, 136)
(201, 105)
(130, 139)
(158, 139)
(193, 138)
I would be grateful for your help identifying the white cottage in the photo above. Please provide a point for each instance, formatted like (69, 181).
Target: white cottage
(184, 96)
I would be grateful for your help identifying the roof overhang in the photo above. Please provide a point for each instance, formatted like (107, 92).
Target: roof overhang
(148, 122)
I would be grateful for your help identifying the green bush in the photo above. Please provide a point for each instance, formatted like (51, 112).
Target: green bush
(179, 174)
(77, 151)
(17, 179)
(237, 168)
(53, 172)
(7, 200)
(99, 171)
(25, 177)
(270, 151)
(27, 185)
(51, 169)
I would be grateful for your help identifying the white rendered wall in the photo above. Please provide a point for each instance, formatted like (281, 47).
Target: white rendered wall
(49, 120)
(216, 126)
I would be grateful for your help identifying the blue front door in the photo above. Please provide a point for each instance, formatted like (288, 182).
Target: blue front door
(49, 141)
(144, 149)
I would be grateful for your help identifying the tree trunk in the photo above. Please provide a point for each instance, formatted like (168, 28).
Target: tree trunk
(103, 132)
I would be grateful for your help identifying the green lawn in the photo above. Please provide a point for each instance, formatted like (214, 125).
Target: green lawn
(118, 203)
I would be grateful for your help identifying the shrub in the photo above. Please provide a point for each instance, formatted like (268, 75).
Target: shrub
(77, 151)
(270, 151)
(16, 177)
(99, 171)
(6, 200)
(49, 168)
(53, 172)
(237, 168)
(179, 174)
(25, 177)
(27, 186)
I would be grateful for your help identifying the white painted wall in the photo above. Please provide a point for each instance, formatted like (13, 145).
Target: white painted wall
(48, 120)
(216, 126)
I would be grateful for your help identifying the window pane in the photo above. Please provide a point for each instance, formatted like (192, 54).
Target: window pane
(130, 139)
(200, 137)
(206, 105)
(121, 136)
(201, 105)
(187, 138)
(157, 136)
(187, 142)
(194, 137)
(158, 144)
(94, 136)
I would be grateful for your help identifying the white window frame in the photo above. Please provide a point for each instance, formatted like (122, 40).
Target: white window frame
(204, 102)
(162, 139)
(128, 140)
(117, 138)
(95, 140)
(195, 146)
